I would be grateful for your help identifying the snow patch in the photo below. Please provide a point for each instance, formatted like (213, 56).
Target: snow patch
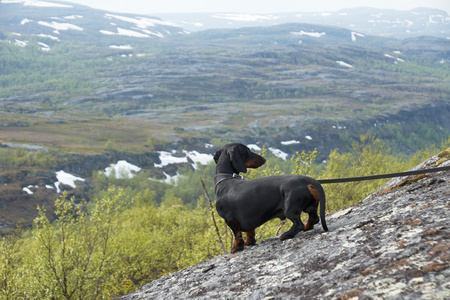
(254, 147)
(310, 34)
(198, 158)
(393, 57)
(132, 33)
(21, 43)
(73, 17)
(36, 3)
(343, 64)
(140, 22)
(106, 32)
(122, 170)
(167, 158)
(287, 143)
(25, 21)
(157, 34)
(125, 32)
(171, 179)
(356, 34)
(67, 179)
(279, 153)
(122, 47)
(44, 47)
(27, 190)
(47, 36)
(60, 26)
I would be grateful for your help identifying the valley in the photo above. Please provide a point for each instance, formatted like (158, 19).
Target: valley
(106, 88)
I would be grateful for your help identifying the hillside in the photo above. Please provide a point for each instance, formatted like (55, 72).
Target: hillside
(126, 78)
(393, 245)
(81, 89)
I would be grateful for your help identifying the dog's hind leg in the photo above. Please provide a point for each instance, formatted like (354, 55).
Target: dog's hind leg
(238, 241)
(297, 226)
(312, 210)
(313, 217)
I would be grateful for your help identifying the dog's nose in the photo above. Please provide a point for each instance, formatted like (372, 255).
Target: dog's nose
(262, 160)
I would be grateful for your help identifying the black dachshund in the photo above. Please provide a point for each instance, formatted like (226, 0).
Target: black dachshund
(247, 204)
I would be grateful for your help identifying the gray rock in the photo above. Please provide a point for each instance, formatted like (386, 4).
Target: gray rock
(393, 245)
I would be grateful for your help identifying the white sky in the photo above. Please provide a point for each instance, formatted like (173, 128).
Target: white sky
(153, 7)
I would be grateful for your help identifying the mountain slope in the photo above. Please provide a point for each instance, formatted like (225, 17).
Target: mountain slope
(46, 25)
(394, 244)
(372, 21)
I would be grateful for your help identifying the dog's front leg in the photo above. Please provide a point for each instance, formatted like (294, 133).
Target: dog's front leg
(250, 239)
(238, 241)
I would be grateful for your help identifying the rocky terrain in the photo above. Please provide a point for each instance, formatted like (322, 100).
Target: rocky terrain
(393, 245)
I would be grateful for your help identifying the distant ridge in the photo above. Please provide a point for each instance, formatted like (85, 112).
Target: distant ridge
(372, 21)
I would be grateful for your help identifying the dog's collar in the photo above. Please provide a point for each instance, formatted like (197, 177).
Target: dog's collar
(219, 177)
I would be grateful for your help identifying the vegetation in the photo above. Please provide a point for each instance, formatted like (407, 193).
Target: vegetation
(86, 98)
(126, 237)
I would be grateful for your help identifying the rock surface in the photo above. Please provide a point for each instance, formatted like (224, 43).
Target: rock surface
(393, 245)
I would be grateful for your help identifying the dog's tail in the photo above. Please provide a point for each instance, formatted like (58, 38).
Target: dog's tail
(322, 201)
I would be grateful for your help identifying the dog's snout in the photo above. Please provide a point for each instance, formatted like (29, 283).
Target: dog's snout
(255, 161)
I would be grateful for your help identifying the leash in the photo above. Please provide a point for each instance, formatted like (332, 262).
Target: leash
(382, 176)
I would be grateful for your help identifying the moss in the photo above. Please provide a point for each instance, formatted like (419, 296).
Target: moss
(410, 180)
(443, 156)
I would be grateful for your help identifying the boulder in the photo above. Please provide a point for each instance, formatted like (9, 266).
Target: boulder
(395, 244)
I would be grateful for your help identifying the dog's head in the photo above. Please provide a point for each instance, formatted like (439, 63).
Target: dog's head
(240, 156)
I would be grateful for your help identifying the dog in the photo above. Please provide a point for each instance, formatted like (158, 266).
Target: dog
(247, 204)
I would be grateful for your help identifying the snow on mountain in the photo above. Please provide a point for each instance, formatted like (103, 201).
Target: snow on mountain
(27, 190)
(198, 158)
(311, 34)
(60, 26)
(67, 179)
(367, 21)
(356, 34)
(278, 153)
(122, 170)
(140, 22)
(292, 142)
(254, 147)
(36, 3)
(58, 22)
(122, 47)
(168, 158)
(343, 64)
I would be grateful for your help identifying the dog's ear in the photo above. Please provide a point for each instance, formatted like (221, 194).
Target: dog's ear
(217, 155)
(236, 159)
